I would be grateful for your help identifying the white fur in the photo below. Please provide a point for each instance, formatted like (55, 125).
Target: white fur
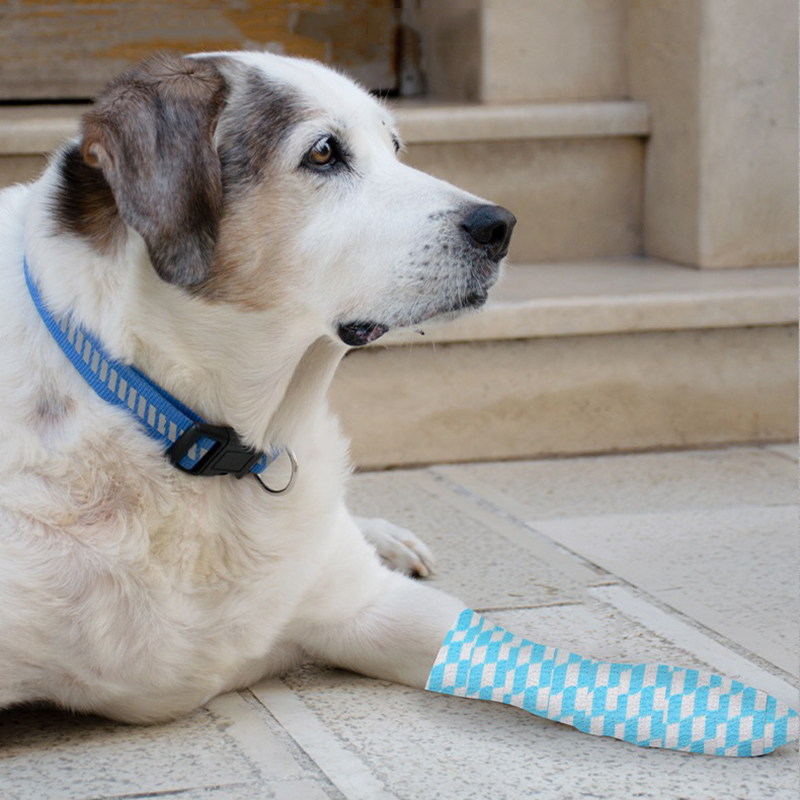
(135, 591)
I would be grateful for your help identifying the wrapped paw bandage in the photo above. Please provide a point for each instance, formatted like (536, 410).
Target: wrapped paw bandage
(651, 705)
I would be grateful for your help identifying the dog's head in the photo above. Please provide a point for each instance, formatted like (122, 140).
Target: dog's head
(274, 183)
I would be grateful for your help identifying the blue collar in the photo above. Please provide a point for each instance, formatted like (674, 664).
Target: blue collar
(191, 444)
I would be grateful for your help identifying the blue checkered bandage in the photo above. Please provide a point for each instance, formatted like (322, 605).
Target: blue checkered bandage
(651, 705)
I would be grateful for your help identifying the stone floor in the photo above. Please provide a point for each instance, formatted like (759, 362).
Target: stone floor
(688, 558)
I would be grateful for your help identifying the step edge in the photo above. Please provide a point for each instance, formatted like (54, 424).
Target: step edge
(602, 315)
(41, 129)
(436, 124)
(32, 135)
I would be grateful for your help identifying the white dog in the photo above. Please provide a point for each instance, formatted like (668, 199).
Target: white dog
(229, 224)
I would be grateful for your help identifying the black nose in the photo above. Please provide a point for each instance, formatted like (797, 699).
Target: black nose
(490, 227)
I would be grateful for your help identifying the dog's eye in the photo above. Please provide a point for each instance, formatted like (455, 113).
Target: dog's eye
(322, 154)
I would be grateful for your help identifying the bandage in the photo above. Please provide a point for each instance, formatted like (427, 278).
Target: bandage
(650, 705)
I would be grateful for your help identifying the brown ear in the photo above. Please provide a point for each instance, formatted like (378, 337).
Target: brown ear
(151, 132)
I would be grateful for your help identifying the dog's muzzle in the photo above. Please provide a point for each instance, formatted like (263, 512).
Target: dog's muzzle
(487, 229)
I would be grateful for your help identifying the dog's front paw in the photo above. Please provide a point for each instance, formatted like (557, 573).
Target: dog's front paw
(398, 547)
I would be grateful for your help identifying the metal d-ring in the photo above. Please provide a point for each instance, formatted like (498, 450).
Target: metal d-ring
(287, 488)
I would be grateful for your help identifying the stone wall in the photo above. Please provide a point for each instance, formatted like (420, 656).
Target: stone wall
(720, 77)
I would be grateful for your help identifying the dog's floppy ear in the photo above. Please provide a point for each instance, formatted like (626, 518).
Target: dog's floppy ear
(151, 132)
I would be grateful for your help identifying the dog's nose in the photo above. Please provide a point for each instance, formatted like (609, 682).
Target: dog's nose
(490, 227)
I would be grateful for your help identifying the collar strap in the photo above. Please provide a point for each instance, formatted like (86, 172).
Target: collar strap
(191, 443)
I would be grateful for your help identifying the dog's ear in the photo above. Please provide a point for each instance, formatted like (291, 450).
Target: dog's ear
(151, 132)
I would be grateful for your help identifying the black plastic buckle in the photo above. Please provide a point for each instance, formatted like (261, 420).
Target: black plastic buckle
(228, 456)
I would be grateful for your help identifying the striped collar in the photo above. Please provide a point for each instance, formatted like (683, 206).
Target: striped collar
(190, 443)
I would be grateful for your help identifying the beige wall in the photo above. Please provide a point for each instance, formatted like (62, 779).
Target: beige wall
(748, 128)
(523, 50)
(545, 50)
(664, 41)
(720, 77)
(721, 176)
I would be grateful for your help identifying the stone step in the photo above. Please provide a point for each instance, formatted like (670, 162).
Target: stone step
(28, 133)
(571, 172)
(584, 357)
(437, 123)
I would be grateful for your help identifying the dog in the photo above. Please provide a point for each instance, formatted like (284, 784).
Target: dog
(230, 224)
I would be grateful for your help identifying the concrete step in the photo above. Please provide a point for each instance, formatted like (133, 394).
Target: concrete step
(584, 357)
(571, 172)
(28, 133)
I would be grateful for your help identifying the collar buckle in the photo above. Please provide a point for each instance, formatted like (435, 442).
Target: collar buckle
(226, 454)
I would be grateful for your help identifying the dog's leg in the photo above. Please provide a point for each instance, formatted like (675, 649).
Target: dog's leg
(399, 548)
(370, 619)
(400, 630)
(651, 705)
(395, 636)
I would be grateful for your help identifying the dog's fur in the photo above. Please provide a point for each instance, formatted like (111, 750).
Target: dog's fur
(188, 229)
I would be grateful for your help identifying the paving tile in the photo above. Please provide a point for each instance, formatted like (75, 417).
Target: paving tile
(420, 745)
(540, 544)
(731, 569)
(297, 790)
(56, 756)
(343, 766)
(788, 450)
(481, 558)
(701, 643)
(582, 487)
(283, 790)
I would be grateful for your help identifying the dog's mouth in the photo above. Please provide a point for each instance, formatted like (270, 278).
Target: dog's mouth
(357, 334)
(362, 332)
